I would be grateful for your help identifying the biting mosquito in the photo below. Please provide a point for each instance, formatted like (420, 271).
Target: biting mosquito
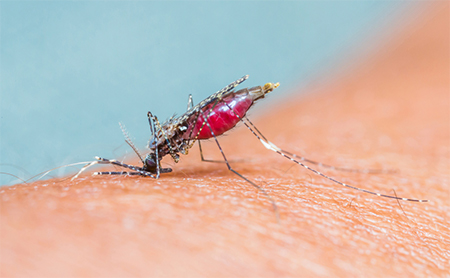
(211, 118)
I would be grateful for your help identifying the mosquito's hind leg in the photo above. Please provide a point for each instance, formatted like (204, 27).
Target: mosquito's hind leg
(269, 145)
(130, 143)
(320, 164)
(259, 188)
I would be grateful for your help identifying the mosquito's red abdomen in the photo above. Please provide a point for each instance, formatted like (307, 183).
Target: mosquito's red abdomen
(221, 118)
(224, 112)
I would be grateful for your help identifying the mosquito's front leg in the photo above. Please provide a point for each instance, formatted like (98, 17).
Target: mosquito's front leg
(100, 160)
(118, 173)
(189, 106)
(121, 164)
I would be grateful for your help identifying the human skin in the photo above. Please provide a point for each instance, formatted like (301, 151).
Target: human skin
(390, 112)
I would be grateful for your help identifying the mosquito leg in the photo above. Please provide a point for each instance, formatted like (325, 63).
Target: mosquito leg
(207, 160)
(215, 161)
(197, 114)
(189, 143)
(190, 102)
(172, 151)
(152, 119)
(189, 106)
(342, 169)
(269, 145)
(121, 164)
(259, 188)
(216, 97)
(85, 167)
(118, 173)
(320, 164)
(100, 160)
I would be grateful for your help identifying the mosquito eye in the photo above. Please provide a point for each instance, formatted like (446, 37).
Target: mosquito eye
(150, 162)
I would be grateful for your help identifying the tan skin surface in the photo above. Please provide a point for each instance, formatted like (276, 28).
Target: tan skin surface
(202, 220)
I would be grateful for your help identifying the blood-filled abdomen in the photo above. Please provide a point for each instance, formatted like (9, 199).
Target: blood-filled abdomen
(222, 117)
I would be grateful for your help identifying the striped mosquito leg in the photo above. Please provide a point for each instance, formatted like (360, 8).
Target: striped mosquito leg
(204, 122)
(342, 169)
(189, 106)
(269, 145)
(320, 164)
(121, 164)
(153, 119)
(197, 113)
(274, 148)
(171, 149)
(118, 173)
(84, 169)
(259, 188)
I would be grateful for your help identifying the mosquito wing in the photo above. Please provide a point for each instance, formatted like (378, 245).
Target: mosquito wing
(192, 111)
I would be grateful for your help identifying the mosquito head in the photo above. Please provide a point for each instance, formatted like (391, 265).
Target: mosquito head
(150, 163)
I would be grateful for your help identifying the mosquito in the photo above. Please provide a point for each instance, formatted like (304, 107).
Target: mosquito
(211, 118)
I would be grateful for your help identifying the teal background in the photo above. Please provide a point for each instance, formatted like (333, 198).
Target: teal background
(70, 71)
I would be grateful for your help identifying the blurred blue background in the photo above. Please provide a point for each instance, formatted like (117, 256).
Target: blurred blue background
(70, 71)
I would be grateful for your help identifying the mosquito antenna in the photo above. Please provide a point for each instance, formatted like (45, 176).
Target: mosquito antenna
(269, 145)
(129, 142)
